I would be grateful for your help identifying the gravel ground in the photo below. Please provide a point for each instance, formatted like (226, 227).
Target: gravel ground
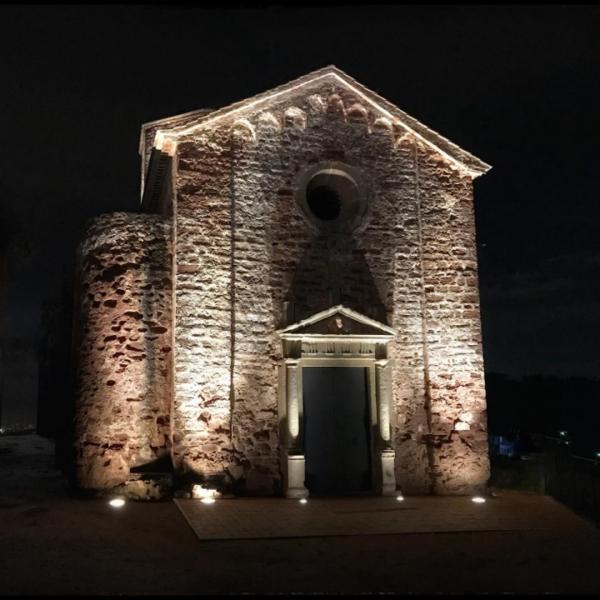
(52, 543)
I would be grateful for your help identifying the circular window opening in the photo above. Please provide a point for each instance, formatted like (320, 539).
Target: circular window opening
(333, 198)
(323, 201)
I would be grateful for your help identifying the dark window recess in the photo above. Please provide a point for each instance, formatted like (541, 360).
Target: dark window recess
(333, 201)
(156, 189)
(324, 202)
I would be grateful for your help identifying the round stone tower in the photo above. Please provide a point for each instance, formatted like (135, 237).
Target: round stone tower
(124, 352)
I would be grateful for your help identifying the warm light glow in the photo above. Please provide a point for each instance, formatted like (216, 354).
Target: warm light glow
(165, 135)
(400, 498)
(202, 493)
(467, 417)
(117, 502)
(478, 499)
(207, 500)
(303, 500)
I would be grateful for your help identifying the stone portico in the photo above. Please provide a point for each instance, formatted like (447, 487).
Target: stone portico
(338, 337)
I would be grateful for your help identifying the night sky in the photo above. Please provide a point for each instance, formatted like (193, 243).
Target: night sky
(516, 86)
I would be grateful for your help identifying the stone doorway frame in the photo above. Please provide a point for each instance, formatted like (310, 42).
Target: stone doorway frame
(309, 344)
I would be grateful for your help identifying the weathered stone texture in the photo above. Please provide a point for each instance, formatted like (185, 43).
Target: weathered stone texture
(201, 410)
(248, 261)
(244, 248)
(125, 364)
(453, 342)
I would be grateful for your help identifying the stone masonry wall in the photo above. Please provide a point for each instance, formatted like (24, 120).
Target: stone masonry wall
(458, 432)
(201, 409)
(125, 348)
(244, 248)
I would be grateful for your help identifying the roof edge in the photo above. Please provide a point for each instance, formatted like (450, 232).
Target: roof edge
(451, 151)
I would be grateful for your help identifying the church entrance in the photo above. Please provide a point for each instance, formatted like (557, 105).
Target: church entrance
(335, 405)
(336, 430)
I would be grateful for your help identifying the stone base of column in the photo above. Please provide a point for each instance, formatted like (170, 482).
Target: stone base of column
(388, 474)
(295, 477)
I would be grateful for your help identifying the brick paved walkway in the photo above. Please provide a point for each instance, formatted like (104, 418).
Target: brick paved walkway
(254, 518)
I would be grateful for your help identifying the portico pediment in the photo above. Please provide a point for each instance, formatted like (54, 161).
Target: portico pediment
(335, 323)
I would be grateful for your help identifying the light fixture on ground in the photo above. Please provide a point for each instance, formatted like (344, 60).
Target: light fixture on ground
(303, 500)
(400, 498)
(117, 502)
(478, 499)
(205, 495)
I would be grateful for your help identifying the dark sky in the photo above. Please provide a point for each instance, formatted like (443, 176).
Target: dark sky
(517, 86)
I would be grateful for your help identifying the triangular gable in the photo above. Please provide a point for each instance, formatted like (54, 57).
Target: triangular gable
(461, 158)
(337, 321)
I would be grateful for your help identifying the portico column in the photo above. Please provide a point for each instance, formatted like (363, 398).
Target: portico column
(384, 403)
(295, 454)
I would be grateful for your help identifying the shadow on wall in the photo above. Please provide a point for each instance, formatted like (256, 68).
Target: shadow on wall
(334, 271)
(158, 364)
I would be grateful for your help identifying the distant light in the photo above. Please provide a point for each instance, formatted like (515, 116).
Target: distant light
(562, 433)
(117, 502)
(598, 454)
(207, 500)
(400, 498)
(303, 500)
(478, 499)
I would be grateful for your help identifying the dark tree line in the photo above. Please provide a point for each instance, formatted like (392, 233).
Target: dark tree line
(545, 405)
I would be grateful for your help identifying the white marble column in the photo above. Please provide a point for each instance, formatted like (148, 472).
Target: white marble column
(388, 472)
(384, 393)
(292, 374)
(384, 409)
(295, 456)
(295, 477)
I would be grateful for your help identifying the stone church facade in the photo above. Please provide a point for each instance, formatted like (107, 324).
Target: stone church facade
(303, 267)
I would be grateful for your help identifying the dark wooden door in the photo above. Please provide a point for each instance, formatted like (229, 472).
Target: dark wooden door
(336, 430)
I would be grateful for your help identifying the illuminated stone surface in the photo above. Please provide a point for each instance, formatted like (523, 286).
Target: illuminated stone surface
(248, 262)
(125, 365)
